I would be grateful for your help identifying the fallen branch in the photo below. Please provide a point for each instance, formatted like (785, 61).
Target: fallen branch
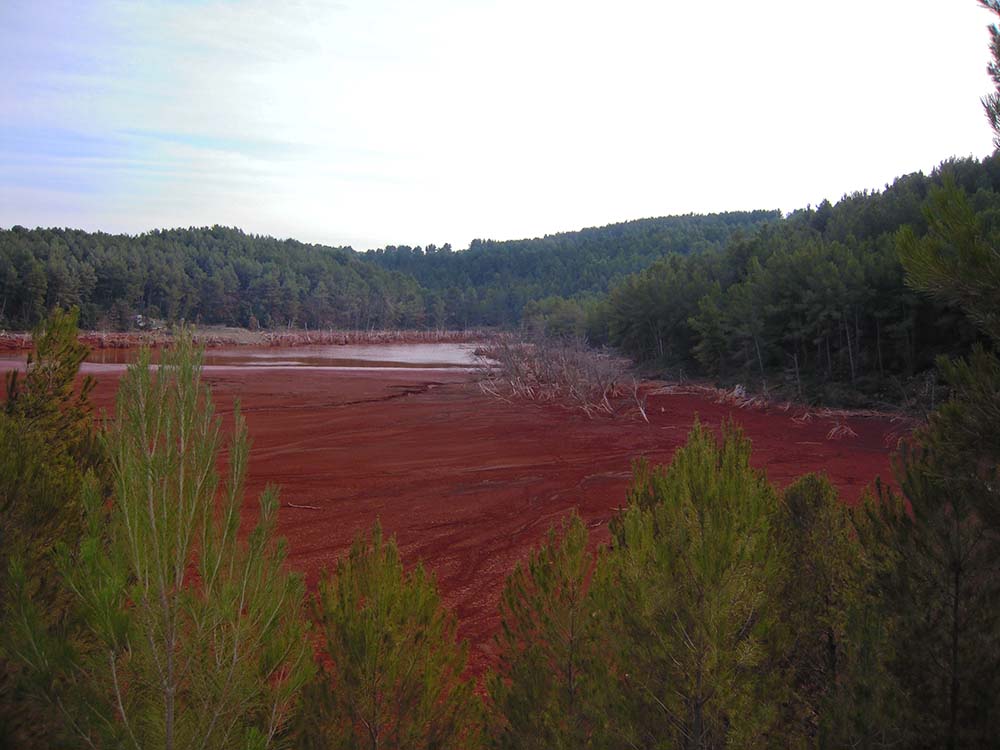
(640, 401)
(840, 431)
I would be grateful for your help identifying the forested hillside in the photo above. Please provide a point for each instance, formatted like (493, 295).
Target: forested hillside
(817, 298)
(491, 282)
(222, 275)
(212, 275)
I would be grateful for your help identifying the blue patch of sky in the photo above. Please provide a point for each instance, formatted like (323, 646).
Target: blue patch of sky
(43, 39)
(19, 140)
(54, 158)
(49, 50)
(77, 94)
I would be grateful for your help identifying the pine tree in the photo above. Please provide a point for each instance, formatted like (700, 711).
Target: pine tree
(935, 571)
(991, 102)
(692, 578)
(48, 400)
(813, 527)
(47, 445)
(958, 262)
(548, 690)
(936, 554)
(836, 645)
(864, 708)
(391, 673)
(195, 638)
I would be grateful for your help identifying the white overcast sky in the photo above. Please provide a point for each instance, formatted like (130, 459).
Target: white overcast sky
(377, 122)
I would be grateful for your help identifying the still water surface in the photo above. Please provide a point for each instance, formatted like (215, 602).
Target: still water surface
(322, 357)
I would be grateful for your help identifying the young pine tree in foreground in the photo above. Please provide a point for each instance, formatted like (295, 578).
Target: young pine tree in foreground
(692, 578)
(47, 445)
(958, 263)
(391, 673)
(838, 693)
(935, 573)
(941, 570)
(196, 637)
(552, 683)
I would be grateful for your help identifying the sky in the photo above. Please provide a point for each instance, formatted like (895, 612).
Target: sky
(376, 122)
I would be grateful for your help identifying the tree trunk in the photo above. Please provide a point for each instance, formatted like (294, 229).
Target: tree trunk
(760, 359)
(697, 720)
(878, 347)
(850, 351)
(953, 708)
(857, 336)
(798, 380)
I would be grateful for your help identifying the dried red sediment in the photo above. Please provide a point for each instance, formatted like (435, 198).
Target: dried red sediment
(469, 484)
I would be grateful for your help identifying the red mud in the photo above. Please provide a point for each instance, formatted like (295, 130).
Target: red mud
(469, 484)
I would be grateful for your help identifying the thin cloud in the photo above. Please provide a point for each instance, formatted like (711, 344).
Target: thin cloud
(391, 122)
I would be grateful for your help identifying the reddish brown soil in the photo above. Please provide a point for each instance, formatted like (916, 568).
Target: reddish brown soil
(469, 484)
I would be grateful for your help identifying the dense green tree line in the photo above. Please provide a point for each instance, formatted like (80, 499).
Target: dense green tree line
(815, 298)
(491, 282)
(212, 275)
(221, 275)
